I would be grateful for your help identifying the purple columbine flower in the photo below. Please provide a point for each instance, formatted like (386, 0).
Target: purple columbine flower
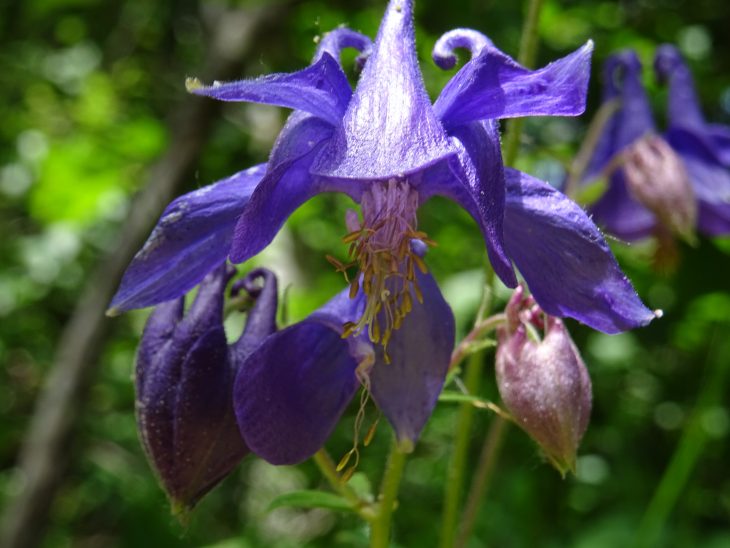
(704, 148)
(184, 384)
(389, 149)
(655, 186)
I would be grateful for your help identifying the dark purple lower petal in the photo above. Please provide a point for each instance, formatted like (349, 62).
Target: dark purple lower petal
(566, 262)
(291, 391)
(191, 238)
(406, 390)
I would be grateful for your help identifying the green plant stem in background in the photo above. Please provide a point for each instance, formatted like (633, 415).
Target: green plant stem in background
(457, 464)
(526, 57)
(482, 478)
(687, 453)
(380, 526)
(327, 466)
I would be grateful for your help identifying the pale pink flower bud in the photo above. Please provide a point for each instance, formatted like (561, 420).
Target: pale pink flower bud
(544, 383)
(656, 177)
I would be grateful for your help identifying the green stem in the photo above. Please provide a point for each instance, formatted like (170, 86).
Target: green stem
(482, 478)
(380, 526)
(686, 455)
(527, 55)
(327, 466)
(455, 474)
(457, 465)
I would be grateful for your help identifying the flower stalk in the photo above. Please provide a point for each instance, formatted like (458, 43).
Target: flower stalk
(455, 475)
(482, 478)
(381, 524)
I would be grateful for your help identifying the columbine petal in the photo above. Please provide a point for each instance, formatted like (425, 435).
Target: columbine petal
(183, 386)
(291, 391)
(683, 105)
(262, 285)
(492, 85)
(191, 238)
(617, 211)
(389, 129)
(406, 389)
(567, 264)
(320, 89)
(479, 189)
(286, 186)
(710, 179)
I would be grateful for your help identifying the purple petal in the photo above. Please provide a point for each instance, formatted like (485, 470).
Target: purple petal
(261, 318)
(184, 395)
(321, 89)
(710, 179)
(492, 85)
(406, 389)
(720, 137)
(480, 189)
(619, 214)
(565, 260)
(192, 237)
(683, 108)
(714, 219)
(617, 211)
(286, 185)
(291, 391)
(389, 129)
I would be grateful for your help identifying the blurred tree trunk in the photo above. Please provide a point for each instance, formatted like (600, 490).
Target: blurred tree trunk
(43, 458)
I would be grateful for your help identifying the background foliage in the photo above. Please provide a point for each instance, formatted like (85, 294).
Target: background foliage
(87, 86)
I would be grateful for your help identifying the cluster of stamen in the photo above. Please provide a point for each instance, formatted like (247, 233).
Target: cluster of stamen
(380, 249)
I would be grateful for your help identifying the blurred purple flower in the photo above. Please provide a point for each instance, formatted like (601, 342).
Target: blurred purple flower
(184, 383)
(390, 150)
(704, 148)
(655, 186)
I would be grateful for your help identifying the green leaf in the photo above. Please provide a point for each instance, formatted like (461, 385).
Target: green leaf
(311, 499)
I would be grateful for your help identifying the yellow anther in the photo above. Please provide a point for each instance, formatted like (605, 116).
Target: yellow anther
(352, 236)
(354, 286)
(344, 460)
(421, 265)
(371, 433)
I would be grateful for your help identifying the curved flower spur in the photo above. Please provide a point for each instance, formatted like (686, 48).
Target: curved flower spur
(390, 150)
